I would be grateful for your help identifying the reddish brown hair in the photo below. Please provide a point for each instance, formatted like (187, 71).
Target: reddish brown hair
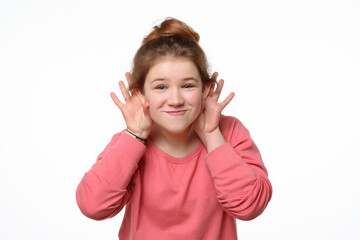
(172, 38)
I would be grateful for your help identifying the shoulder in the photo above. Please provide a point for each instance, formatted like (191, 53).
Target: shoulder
(232, 128)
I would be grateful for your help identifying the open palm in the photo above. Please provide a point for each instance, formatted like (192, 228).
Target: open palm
(209, 119)
(135, 110)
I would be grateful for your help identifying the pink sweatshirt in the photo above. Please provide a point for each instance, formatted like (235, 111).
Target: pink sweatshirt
(195, 197)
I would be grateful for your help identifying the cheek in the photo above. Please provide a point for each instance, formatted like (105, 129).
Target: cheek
(195, 99)
(155, 103)
(152, 104)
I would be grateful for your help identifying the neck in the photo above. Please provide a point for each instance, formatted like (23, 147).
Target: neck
(175, 144)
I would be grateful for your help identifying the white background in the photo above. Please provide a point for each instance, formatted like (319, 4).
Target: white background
(294, 66)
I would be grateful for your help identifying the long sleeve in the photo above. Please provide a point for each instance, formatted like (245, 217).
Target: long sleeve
(104, 189)
(239, 175)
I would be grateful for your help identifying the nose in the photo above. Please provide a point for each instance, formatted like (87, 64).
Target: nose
(175, 98)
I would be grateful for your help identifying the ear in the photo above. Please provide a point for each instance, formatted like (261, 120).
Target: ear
(141, 97)
(206, 90)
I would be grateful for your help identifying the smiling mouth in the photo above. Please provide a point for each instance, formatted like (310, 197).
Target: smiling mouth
(175, 113)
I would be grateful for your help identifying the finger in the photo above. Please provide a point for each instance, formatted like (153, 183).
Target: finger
(211, 90)
(218, 89)
(220, 86)
(214, 76)
(116, 100)
(227, 100)
(141, 97)
(124, 91)
(213, 83)
(128, 78)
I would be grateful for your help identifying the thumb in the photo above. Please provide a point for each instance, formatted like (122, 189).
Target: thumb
(146, 107)
(199, 123)
(203, 106)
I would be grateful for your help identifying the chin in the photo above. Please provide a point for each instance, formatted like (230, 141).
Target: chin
(176, 129)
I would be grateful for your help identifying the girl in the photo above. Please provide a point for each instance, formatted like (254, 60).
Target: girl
(183, 170)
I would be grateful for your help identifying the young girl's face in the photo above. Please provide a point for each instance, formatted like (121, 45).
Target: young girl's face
(174, 90)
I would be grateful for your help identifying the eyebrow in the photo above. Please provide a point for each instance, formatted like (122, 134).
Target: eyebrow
(166, 79)
(190, 78)
(157, 79)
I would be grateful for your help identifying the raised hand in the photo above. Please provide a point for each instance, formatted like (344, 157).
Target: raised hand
(208, 120)
(135, 110)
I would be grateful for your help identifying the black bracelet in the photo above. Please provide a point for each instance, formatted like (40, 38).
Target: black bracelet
(142, 139)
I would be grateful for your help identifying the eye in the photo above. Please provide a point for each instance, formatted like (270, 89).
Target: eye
(188, 85)
(160, 87)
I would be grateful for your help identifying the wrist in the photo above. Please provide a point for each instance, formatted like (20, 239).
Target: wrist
(213, 139)
(138, 137)
(144, 134)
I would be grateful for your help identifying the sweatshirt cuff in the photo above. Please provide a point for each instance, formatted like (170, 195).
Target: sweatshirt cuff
(121, 160)
(131, 143)
(223, 159)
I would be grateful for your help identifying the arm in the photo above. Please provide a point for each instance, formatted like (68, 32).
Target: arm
(105, 189)
(235, 164)
(239, 175)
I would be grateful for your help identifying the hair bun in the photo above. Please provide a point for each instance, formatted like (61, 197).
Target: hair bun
(170, 27)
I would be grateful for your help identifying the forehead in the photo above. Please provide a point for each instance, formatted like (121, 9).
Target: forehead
(173, 69)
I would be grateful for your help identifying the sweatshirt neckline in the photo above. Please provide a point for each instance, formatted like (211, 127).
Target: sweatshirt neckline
(172, 159)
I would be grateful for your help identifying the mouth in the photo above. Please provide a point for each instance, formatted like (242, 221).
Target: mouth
(176, 113)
